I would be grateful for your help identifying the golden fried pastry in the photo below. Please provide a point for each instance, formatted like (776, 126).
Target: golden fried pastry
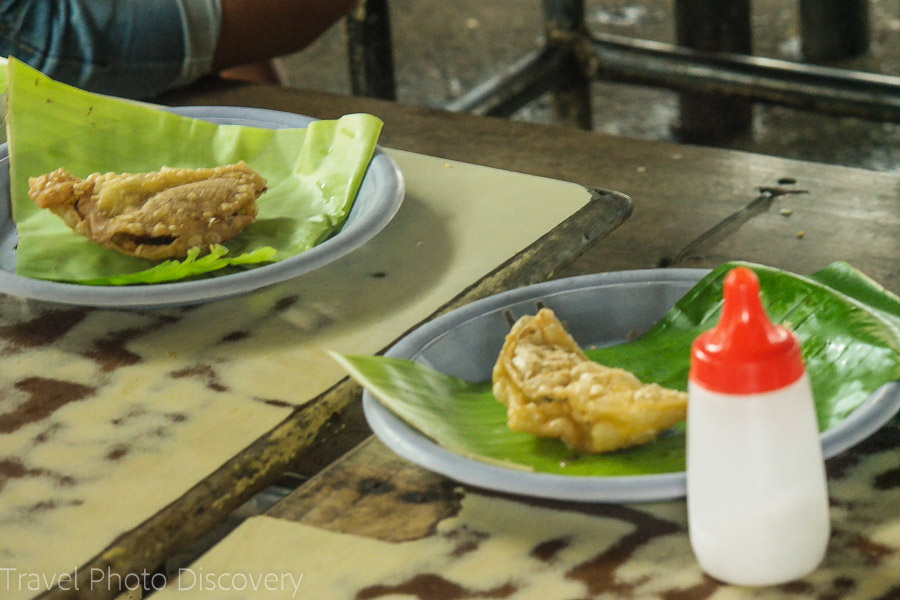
(155, 215)
(552, 389)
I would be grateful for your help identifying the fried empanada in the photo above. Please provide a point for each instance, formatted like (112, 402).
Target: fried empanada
(552, 389)
(156, 215)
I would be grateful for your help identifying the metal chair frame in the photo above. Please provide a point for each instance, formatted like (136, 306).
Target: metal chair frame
(713, 79)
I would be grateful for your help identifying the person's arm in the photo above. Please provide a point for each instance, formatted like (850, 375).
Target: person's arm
(141, 48)
(257, 30)
(129, 48)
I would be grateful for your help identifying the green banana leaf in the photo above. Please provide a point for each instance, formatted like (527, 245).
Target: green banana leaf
(313, 176)
(848, 325)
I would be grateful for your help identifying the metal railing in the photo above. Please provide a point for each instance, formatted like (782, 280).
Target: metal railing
(715, 84)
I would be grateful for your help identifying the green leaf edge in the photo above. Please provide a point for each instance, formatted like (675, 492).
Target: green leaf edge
(191, 266)
(838, 278)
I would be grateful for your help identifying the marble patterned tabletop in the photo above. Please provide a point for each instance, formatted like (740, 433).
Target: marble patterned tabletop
(376, 526)
(108, 417)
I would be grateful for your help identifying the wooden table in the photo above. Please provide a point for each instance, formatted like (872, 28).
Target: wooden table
(692, 207)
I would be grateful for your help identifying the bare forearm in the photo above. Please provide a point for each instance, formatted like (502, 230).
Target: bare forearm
(255, 30)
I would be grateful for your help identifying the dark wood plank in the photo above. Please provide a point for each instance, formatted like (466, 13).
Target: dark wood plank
(372, 492)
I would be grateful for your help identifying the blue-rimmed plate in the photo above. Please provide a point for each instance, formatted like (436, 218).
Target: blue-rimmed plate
(378, 200)
(598, 310)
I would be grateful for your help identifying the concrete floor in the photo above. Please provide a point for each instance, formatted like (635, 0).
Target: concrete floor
(443, 49)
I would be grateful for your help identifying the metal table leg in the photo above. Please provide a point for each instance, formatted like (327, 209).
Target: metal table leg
(834, 29)
(564, 22)
(370, 51)
(715, 26)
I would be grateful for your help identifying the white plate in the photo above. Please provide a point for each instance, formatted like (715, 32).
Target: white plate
(378, 200)
(598, 310)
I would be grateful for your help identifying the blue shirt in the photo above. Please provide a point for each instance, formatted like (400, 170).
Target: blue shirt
(128, 48)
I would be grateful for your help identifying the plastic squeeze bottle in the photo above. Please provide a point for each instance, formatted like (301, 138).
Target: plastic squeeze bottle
(756, 491)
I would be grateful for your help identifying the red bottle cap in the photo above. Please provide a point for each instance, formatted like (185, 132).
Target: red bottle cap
(745, 353)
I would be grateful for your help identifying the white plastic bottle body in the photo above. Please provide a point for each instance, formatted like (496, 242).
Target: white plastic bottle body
(756, 489)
